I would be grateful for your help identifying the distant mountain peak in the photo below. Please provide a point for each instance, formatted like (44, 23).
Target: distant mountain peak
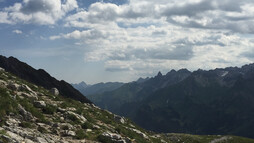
(159, 74)
(83, 83)
(184, 70)
(142, 80)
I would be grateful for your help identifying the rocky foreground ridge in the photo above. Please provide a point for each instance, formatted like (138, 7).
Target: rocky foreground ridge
(30, 113)
(40, 78)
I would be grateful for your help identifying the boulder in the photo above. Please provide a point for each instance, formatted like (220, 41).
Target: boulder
(28, 141)
(71, 133)
(3, 84)
(7, 138)
(12, 122)
(27, 95)
(119, 119)
(54, 91)
(24, 87)
(40, 104)
(2, 69)
(80, 117)
(68, 133)
(66, 126)
(14, 136)
(139, 132)
(13, 86)
(26, 115)
(96, 127)
(41, 140)
(116, 138)
(71, 109)
(61, 110)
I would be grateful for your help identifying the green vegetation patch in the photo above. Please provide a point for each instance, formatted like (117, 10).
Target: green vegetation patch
(26, 124)
(49, 109)
(7, 105)
(42, 130)
(87, 125)
(80, 134)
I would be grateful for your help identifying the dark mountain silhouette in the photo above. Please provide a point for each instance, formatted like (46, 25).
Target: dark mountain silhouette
(40, 78)
(123, 100)
(219, 101)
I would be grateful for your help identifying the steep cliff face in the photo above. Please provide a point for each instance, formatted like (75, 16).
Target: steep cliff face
(40, 78)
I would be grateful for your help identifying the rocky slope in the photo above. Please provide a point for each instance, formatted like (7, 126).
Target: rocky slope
(31, 113)
(40, 78)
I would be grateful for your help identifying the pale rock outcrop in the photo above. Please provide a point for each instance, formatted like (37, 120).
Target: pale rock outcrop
(13, 86)
(61, 110)
(41, 140)
(12, 122)
(27, 115)
(27, 95)
(54, 91)
(15, 136)
(25, 87)
(3, 84)
(2, 69)
(80, 117)
(139, 132)
(119, 119)
(40, 104)
(116, 138)
(65, 126)
(68, 133)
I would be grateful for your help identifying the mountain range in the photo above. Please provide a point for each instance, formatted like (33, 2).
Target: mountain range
(98, 88)
(32, 113)
(219, 101)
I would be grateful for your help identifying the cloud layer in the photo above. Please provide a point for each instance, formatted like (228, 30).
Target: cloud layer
(144, 36)
(42, 12)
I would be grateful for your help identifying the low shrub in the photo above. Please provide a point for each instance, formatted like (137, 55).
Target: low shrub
(80, 134)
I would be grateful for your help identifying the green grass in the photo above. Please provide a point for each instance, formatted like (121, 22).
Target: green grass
(26, 124)
(42, 130)
(27, 104)
(3, 140)
(73, 119)
(133, 135)
(7, 105)
(87, 125)
(80, 134)
(49, 109)
(103, 139)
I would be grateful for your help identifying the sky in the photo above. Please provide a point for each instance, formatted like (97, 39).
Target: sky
(122, 40)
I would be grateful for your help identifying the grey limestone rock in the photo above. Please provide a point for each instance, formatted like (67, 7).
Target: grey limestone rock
(40, 104)
(119, 119)
(54, 91)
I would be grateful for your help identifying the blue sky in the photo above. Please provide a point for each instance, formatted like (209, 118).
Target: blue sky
(121, 40)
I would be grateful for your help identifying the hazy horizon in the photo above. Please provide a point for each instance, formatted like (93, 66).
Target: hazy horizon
(122, 40)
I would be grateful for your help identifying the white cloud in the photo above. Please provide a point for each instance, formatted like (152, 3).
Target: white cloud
(42, 12)
(17, 31)
(4, 18)
(143, 36)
